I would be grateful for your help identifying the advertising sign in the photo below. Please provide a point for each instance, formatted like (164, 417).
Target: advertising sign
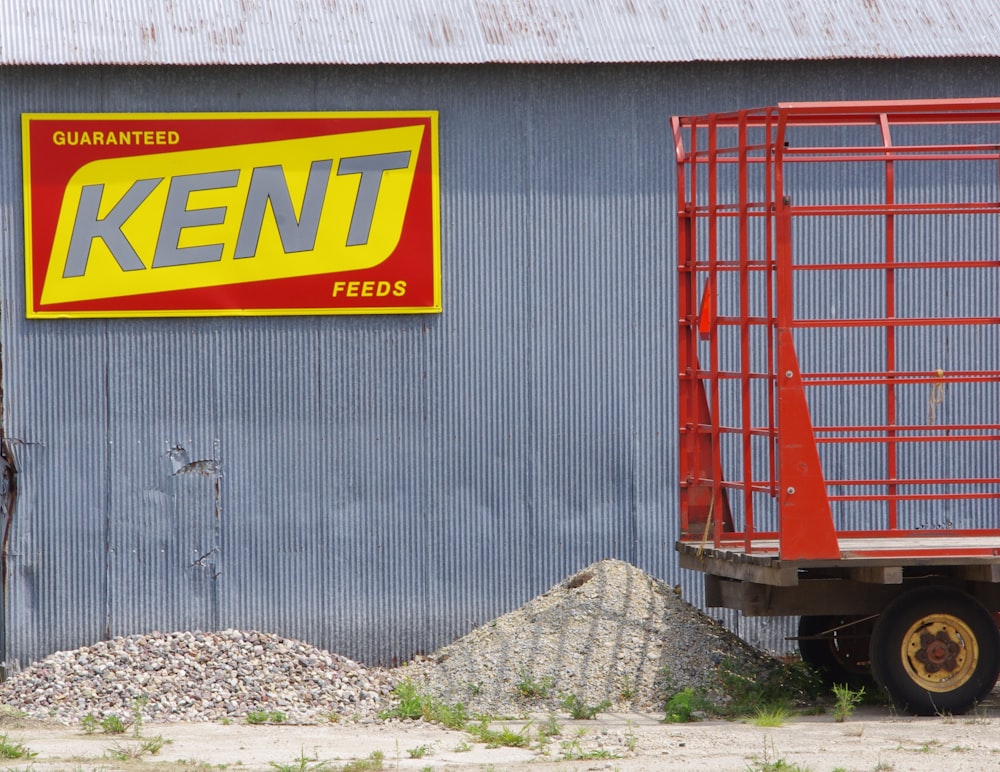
(220, 214)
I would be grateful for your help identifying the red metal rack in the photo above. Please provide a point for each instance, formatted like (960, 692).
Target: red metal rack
(770, 204)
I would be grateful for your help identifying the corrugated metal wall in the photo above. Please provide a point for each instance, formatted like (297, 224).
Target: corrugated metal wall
(380, 485)
(470, 31)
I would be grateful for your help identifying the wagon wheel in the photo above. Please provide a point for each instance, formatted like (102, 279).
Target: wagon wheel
(936, 650)
(837, 647)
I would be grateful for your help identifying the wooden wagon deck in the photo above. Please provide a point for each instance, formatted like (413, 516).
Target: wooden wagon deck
(877, 560)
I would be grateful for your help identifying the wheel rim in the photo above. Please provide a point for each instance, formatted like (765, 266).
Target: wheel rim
(850, 646)
(940, 652)
(837, 646)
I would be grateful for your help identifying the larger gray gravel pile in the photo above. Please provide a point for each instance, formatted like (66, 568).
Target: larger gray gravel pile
(609, 633)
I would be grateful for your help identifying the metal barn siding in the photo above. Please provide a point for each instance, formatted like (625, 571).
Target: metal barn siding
(379, 485)
(480, 31)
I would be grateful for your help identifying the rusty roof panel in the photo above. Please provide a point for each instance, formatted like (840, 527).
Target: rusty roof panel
(480, 31)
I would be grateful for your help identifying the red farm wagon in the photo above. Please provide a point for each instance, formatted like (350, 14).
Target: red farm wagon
(839, 383)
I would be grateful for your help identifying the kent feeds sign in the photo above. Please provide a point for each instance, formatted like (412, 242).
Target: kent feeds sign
(213, 214)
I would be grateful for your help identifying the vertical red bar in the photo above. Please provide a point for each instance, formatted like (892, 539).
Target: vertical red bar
(772, 354)
(686, 294)
(713, 346)
(745, 360)
(890, 330)
(806, 523)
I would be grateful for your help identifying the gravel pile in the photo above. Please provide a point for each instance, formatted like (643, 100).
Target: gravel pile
(197, 677)
(609, 633)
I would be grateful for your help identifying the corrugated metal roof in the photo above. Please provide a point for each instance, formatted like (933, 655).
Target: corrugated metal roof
(480, 31)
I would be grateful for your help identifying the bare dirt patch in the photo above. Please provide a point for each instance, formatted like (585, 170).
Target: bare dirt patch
(874, 739)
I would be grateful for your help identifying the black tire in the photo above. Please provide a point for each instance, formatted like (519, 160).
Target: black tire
(838, 648)
(936, 651)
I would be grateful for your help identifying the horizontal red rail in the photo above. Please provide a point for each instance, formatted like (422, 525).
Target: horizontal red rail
(807, 155)
(907, 440)
(936, 321)
(913, 376)
(731, 266)
(914, 497)
(897, 265)
(867, 210)
(919, 481)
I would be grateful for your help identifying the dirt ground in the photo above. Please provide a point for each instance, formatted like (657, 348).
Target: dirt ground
(874, 738)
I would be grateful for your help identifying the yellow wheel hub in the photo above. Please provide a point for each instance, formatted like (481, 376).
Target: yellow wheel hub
(940, 652)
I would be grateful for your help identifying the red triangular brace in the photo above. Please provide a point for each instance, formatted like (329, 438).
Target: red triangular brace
(806, 524)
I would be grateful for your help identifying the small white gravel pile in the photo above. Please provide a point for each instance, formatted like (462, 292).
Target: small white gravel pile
(609, 633)
(197, 677)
